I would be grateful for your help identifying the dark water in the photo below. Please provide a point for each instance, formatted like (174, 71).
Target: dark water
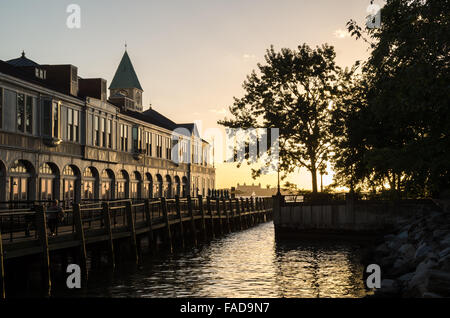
(242, 264)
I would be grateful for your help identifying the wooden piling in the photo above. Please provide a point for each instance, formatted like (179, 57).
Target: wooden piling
(245, 212)
(167, 221)
(258, 214)
(249, 210)
(191, 214)
(132, 229)
(219, 215)
(226, 214)
(208, 206)
(238, 210)
(41, 227)
(202, 211)
(2, 270)
(79, 235)
(180, 218)
(108, 229)
(149, 221)
(233, 215)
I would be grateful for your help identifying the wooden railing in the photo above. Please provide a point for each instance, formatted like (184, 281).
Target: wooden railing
(18, 225)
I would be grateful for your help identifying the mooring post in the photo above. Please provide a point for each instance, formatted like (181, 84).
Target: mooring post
(202, 211)
(260, 210)
(149, 221)
(238, 211)
(224, 203)
(166, 218)
(252, 209)
(219, 215)
(108, 229)
(191, 215)
(180, 218)
(208, 206)
(233, 215)
(2, 269)
(132, 229)
(249, 210)
(244, 212)
(41, 227)
(256, 208)
(79, 234)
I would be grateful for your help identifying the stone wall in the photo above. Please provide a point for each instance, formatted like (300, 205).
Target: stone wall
(344, 216)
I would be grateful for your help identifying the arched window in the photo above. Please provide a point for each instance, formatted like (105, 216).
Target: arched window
(48, 174)
(135, 183)
(107, 187)
(90, 183)
(168, 187)
(177, 186)
(20, 179)
(148, 186)
(159, 186)
(184, 187)
(123, 185)
(70, 185)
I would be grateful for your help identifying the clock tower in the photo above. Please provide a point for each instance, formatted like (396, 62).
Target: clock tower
(125, 90)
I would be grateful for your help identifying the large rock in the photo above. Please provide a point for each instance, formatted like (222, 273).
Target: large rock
(444, 253)
(440, 233)
(405, 278)
(402, 236)
(402, 266)
(444, 263)
(388, 262)
(382, 249)
(418, 284)
(389, 286)
(422, 251)
(407, 251)
(428, 263)
(439, 282)
(445, 242)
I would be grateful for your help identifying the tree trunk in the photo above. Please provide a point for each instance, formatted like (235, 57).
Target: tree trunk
(314, 180)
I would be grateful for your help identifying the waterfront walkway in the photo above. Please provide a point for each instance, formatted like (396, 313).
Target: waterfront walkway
(26, 232)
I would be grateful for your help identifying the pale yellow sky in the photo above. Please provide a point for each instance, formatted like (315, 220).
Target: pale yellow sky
(191, 57)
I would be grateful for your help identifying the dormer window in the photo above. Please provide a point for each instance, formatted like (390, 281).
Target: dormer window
(42, 74)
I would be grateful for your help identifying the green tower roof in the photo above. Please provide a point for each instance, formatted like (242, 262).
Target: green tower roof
(125, 76)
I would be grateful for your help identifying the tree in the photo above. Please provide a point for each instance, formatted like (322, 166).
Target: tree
(406, 122)
(291, 92)
(347, 127)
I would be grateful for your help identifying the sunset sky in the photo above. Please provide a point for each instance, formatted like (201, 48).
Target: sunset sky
(191, 56)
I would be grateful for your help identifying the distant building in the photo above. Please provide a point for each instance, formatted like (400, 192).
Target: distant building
(254, 190)
(61, 138)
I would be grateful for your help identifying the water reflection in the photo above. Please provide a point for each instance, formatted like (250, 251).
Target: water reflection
(243, 264)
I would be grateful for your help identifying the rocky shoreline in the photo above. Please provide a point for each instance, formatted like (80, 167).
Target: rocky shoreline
(415, 258)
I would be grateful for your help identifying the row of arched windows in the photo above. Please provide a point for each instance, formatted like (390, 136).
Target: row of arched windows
(89, 184)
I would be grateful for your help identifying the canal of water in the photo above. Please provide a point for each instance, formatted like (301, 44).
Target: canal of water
(249, 263)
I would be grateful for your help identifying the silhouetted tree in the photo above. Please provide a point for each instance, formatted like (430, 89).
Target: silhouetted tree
(291, 92)
(405, 121)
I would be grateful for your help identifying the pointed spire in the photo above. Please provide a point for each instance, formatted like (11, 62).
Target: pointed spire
(125, 76)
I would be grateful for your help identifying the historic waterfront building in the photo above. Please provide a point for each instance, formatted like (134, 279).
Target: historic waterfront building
(62, 138)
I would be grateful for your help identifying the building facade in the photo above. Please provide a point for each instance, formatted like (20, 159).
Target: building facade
(61, 138)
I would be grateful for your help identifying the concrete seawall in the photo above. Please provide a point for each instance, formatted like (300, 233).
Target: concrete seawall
(350, 217)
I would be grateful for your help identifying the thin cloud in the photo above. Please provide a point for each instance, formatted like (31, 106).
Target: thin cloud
(249, 56)
(341, 34)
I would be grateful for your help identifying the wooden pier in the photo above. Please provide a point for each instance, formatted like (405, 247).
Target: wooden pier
(167, 222)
